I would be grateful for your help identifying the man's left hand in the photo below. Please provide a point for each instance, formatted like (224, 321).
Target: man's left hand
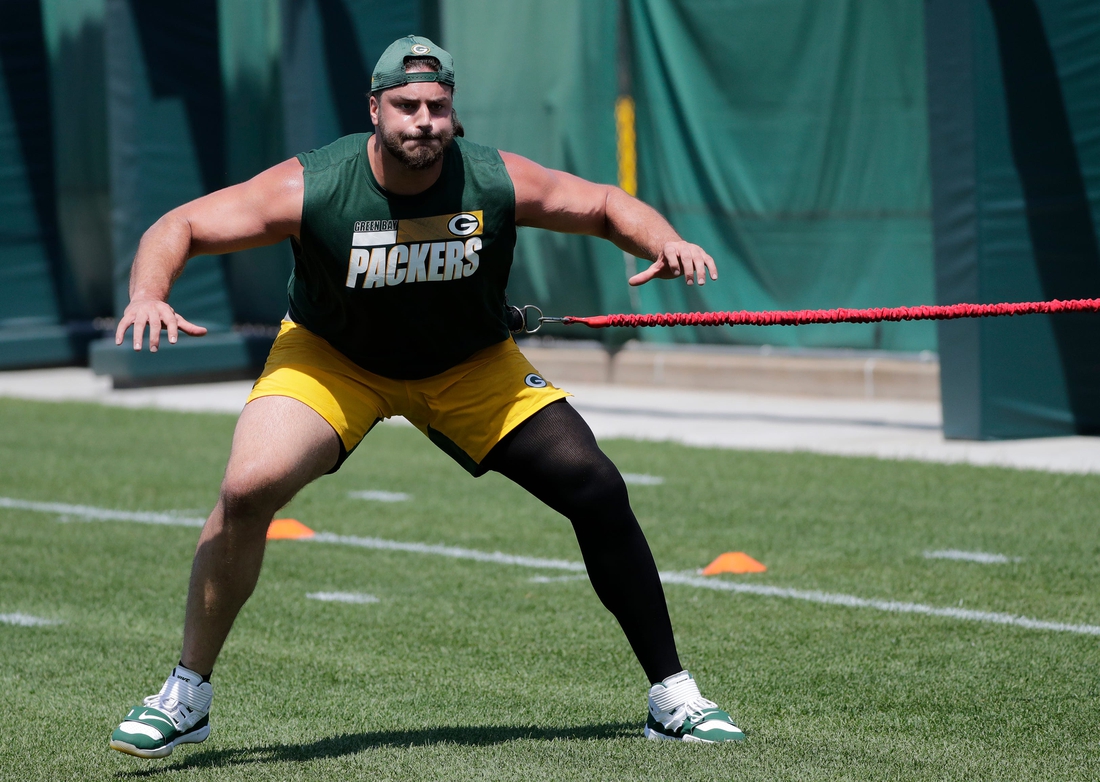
(676, 259)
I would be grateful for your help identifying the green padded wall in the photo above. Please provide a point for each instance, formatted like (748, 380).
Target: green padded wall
(167, 139)
(1014, 104)
(74, 35)
(33, 279)
(250, 39)
(167, 129)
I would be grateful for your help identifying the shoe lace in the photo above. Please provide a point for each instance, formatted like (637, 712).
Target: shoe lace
(680, 702)
(692, 711)
(185, 703)
(170, 706)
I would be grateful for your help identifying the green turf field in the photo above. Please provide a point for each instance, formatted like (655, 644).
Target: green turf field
(469, 670)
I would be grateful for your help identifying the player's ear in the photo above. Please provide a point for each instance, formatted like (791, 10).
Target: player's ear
(372, 101)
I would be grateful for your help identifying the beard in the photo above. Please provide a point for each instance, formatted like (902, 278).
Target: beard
(423, 155)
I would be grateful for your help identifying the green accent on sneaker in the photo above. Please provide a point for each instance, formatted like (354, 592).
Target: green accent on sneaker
(652, 725)
(710, 726)
(158, 734)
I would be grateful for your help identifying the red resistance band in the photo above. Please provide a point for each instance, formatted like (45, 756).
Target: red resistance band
(802, 317)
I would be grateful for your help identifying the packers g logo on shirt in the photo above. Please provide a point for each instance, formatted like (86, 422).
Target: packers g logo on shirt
(535, 381)
(464, 224)
(421, 249)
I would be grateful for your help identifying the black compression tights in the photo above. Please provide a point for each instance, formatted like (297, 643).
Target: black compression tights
(554, 455)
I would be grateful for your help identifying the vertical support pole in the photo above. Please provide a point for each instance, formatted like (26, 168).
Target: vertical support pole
(625, 132)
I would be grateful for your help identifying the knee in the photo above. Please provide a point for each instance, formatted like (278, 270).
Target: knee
(598, 483)
(249, 494)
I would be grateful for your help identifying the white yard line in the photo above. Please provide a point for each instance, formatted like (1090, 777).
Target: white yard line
(893, 606)
(343, 597)
(379, 496)
(454, 552)
(25, 620)
(641, 479)
(972, 556)
(88, 513)
(496, 557)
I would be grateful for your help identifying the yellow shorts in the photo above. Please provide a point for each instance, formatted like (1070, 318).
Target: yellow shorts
(465, 411)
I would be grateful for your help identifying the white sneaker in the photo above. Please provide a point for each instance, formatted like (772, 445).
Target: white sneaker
(678, 712)
(178, 714)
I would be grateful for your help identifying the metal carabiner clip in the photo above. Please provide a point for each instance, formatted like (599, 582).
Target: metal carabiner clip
(520, 319)
(524, 310)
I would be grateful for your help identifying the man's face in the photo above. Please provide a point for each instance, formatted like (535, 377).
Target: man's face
(414, 122)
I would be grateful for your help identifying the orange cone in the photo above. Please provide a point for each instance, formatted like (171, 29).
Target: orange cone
(734, 562)
(288, 529)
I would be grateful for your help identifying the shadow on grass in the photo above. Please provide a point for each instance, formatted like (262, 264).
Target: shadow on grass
(352, 743)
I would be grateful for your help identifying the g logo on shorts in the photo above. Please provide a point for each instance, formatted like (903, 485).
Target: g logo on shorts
(535, 381)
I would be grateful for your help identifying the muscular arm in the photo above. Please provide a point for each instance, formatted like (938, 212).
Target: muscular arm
(264, 210)
(558, 201)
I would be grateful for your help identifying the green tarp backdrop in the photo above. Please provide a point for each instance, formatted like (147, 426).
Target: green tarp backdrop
(803, 143)
(789, 138)
(786, 137)
(545, 89)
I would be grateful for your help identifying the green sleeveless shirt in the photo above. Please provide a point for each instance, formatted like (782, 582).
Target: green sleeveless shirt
(404, 286)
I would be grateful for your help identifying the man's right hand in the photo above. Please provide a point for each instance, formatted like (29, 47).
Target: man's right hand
(262, 211)
(156, 315)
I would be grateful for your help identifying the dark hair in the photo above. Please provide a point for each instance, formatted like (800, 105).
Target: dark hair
(430, 63)
(433, 65)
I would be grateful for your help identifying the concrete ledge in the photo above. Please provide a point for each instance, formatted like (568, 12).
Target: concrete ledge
(844, 374)
(217, 356)
(26, 347)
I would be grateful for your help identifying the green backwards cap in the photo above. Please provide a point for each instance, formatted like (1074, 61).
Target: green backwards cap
(390, 70)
